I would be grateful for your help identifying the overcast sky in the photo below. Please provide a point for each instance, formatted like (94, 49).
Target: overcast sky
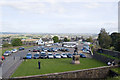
(59, 16)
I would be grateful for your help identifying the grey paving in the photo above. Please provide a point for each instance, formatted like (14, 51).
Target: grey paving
(12, 62)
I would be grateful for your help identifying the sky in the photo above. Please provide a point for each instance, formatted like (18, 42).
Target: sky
(58, 16)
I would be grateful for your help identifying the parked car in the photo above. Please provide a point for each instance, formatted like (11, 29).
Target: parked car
(69, 55)
(14, 50)
(45, 49)
(35, 50)
(38, 49)
(66, 49)
(82, 55)
(7, 53)
(50, 50)
(29, 56)
(63, 55)
(36, 56)
(21, 48)
(50, 55)
(55, 50)
(43, 55)
(48, 45)
(57, 55)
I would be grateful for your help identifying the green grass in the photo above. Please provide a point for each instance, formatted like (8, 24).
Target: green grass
(117, 70)
(109, 56)
(30, 67)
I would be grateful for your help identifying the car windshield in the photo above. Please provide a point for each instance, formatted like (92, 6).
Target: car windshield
(57, 54)
(36, 55)
(43, 54)
(28, 54)
(63, 54)
(69, 54)
(50, 54)
(7, 52)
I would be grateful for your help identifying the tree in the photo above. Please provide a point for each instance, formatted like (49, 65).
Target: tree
(66, 39)
(16, 42)
(115, 41)
(55, 39)
(117, 45)
(115, 36)
(89, 39)
(104, 39)
(6, 45)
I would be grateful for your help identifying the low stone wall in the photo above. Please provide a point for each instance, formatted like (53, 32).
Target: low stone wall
(112, 53)
(100, 72)
(102, 58)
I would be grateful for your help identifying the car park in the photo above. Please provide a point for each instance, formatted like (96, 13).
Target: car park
(57, 55)
(69, 55)
(21, 48)
(14, 50)
(36, 56)
(7, 53)
(63, 55)
(43, 55)
(50, 55)
(29, 56)
(82, 55)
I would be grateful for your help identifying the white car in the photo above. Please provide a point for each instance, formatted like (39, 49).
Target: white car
(50, 55)
(63, 55)
(57, 55)
(14, 50)
(48, 45)
(7, 53)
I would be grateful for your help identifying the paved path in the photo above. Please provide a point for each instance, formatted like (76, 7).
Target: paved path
(12, 62)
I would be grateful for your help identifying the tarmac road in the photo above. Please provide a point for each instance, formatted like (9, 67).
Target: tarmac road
(11, 62)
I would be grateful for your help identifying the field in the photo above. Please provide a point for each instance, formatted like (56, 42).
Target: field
(30, 67)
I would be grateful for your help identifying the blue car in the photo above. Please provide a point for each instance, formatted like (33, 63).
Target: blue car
(82, 55)
(21, 48)
(29, 56)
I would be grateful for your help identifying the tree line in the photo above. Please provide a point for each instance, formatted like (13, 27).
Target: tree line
(107, 41)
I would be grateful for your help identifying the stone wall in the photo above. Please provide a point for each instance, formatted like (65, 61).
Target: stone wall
(100, 72)
(112, 53)
(102, 58)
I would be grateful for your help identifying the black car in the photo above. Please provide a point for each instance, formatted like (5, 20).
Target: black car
(21, 48)
(69, 55)
(43, 55)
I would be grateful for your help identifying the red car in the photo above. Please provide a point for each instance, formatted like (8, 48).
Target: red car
(2, 58)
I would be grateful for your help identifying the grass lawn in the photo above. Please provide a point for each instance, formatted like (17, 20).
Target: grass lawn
(30, 67)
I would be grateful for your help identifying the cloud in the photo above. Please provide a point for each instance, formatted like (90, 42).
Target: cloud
(93, 5)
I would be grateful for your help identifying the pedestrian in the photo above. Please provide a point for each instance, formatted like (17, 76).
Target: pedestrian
(113, 63)
(39, 64)
(109, 63)
(14, 58)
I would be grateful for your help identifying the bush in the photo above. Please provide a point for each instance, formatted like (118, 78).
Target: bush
(16, 42)
(6, 45)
